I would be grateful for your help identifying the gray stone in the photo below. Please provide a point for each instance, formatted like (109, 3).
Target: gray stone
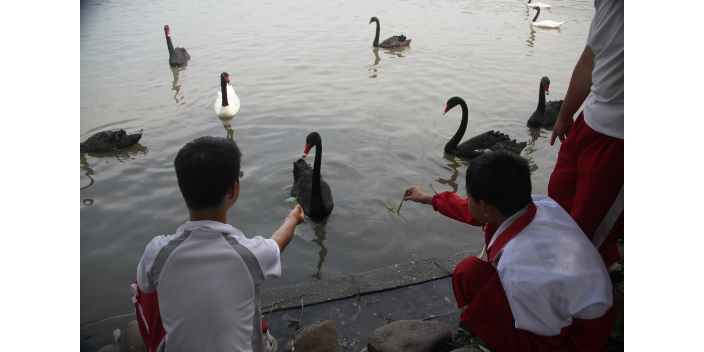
(403, 274)
(132, 340)
(410, 336)
(110, 348)
(318, 337)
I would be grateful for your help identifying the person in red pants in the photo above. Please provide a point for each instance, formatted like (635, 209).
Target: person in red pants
(544, 286)
(588, 177)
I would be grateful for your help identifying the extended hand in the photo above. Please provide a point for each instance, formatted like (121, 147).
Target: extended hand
(296, 214)
(562, 128)
(416, 194)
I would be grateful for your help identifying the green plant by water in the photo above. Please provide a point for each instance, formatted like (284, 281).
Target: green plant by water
(392, 209)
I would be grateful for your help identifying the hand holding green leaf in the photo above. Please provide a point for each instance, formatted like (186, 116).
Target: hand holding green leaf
(295, 201)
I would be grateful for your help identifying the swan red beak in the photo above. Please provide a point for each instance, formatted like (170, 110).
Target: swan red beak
(307, 150)
(370, 22)
(447, 108)
(547, 91)
(168, 32)
(227, 79)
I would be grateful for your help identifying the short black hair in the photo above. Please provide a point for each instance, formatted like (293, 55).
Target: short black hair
(205, 168)
(502, 179)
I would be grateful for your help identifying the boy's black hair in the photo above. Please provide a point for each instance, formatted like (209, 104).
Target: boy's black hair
(502, 179)
(206, 167)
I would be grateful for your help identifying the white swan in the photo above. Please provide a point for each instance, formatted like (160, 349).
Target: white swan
(227, 104)
(538, 4)
(545, 23)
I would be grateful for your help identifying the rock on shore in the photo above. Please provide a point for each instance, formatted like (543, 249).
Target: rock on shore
(317, 337)
(410, 336)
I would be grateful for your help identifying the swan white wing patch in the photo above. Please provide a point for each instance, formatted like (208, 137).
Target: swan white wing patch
(218, 103)
(233, 101)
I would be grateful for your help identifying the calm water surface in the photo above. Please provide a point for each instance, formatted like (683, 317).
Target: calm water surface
(297, 68)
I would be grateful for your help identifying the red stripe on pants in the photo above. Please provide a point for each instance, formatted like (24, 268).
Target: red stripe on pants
(149, 318)
(587, 179)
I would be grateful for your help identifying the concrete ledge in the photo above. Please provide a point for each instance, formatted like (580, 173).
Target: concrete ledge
(383, 279)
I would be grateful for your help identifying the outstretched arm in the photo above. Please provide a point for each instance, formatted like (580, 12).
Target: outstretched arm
(578, 90)
(284, 234)
(447, 203)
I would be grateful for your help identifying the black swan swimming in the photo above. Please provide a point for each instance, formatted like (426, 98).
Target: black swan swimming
(477, 145)
(177, 56)
(390, 42)
(108, 141)
(546, 113)
(313, 193)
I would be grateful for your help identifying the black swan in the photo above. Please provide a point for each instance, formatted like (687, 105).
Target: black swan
(177, 56)
(108, 141)
(390, 42)
(477, 145)
(546, 113)
(313, 193)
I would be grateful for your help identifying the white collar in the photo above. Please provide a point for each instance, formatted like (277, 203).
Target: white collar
(207, 225)
(507, 223)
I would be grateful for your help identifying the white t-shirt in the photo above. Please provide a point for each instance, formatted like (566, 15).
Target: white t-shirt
(551, 272)
(604, 108)
(207, 275)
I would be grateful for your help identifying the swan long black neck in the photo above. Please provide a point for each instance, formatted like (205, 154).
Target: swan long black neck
(171, 46)
(376, 38)
(536, 15)
(223, 86)
(317, 205)
(315, 192)
(452, 144)
(541, 97)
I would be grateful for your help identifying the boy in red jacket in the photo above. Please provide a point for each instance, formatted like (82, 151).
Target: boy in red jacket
(544, 286)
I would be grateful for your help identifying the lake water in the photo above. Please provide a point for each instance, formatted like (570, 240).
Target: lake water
(299, 67)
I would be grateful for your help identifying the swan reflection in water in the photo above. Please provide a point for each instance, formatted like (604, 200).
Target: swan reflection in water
(376, 62)
(175, 86)
(397, 51)
(125, 154)
(227, 124)
(455, 164)
(320, 232)
(531, 39)
(535, 133)
(392, 51)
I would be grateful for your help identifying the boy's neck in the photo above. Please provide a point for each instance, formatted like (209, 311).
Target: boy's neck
(497, 219)
(212, 214)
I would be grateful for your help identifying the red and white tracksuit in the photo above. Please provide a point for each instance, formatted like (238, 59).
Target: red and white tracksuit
(528, 296)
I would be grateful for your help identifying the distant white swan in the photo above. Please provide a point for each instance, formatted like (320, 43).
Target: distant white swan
(545, 23)
(538, 4)
(227, 104)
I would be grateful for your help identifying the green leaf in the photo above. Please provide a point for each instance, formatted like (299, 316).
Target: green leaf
(392, 209)
(292, 199)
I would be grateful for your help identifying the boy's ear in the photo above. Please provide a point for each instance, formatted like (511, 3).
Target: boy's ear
(237, 189)
(488, 208)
